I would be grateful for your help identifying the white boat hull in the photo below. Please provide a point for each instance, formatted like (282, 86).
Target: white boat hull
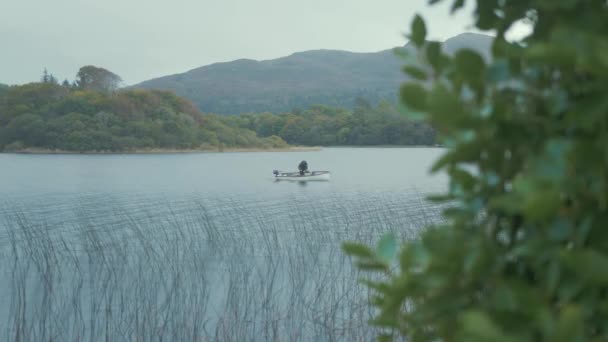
(307, 177)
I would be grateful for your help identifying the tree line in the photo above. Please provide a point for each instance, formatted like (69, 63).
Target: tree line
(319, 125)
(93, 115)
(89, 77)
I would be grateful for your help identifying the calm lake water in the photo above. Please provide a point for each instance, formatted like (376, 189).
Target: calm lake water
(353, 169)
(199, 246)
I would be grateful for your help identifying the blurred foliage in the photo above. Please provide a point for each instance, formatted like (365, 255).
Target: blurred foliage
(321, 125)
(523, 255)
(64, 117)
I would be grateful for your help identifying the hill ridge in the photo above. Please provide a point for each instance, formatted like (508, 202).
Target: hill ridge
(321, 76)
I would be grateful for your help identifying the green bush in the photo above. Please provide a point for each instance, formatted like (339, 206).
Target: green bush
(524, 253)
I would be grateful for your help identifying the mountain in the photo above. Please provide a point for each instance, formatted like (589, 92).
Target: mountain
(329, 77)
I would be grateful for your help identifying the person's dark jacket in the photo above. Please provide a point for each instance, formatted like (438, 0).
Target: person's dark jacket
(303, 167)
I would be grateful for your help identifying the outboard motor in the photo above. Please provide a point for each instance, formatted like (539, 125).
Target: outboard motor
(275, 172)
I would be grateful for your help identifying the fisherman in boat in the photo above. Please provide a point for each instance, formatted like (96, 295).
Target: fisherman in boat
(303, 167)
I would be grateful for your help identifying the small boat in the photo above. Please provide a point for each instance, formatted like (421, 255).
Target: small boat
(307, 176)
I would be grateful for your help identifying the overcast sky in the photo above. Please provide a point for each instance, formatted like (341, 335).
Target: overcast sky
(143, 39)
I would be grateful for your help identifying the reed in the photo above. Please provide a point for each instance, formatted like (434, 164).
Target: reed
(231, 271)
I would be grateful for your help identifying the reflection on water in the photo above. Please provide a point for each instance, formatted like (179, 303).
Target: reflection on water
(117, 257)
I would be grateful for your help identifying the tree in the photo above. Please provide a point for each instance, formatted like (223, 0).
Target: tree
(28, 128)
(53, 79)
(294, 130)
(99, 79)
(48, 77)
(45, 76)
(524, 251)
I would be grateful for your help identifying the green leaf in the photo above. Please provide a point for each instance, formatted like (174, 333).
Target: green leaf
(405, 54)
(478, 326)
(458, 4)
(552, 54)
(385, 338)
(357, 249)
(418, 35)
(553, 276)
(589, 265)
(434, 55)
(463, 177)
(414, 96)
(570, 326)
(505, 297)
(387, 248)
(371, 266)
(464, 152)
(558, 4)
(582, 231)
(471, 65)
(542, 204)
(413, 115)
(445, 106)
(471, 260)
(486, 16)
(415, 72)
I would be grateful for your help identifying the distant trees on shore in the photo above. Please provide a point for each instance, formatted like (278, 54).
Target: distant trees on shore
(92, 114)
(384, 124)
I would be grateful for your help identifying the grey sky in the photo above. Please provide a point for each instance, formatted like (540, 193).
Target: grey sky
(142, 39)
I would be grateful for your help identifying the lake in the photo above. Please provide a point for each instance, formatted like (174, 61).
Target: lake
(199, 246)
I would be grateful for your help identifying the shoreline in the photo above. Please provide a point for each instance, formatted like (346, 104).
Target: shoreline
(170, 151)
(209, 150)
(385, 146)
